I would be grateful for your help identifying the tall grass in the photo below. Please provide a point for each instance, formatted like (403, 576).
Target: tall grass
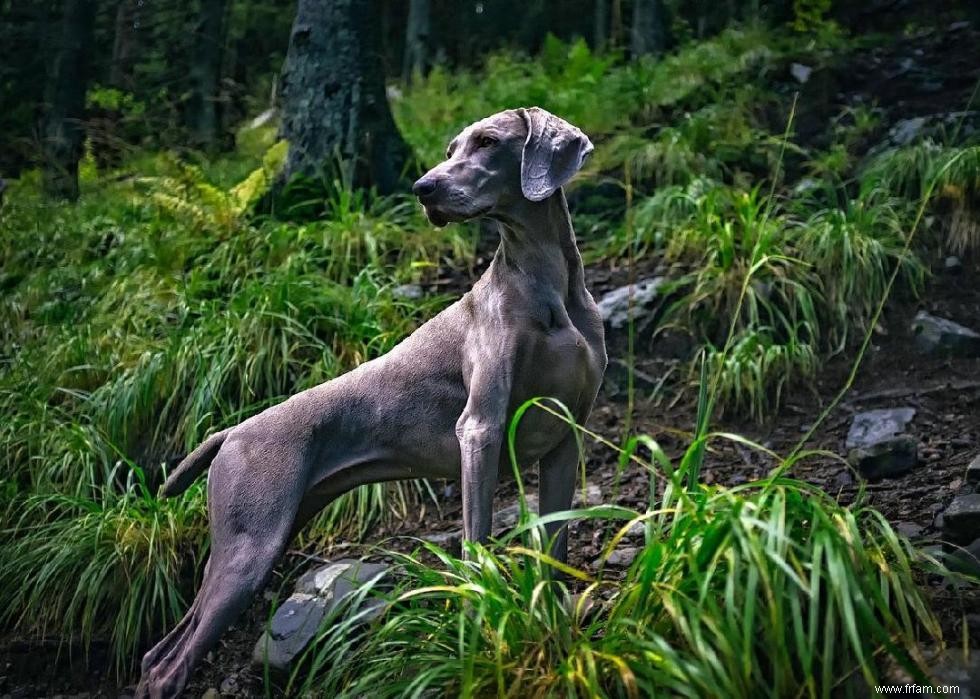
(767, 589)
(115, 565)
(133, 324)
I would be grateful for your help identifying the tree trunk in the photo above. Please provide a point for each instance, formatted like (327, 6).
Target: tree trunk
(616, 23)
(417, 37)
(121, 69)
(333, 96)
(600, 26)
(649, 33)
(205, 73)
(64, 130)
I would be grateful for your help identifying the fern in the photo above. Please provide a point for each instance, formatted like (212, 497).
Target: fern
(190, 197)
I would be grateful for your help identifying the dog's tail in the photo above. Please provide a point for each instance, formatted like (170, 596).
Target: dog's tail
(193, 464)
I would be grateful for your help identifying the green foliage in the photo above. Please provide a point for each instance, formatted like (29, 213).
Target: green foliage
(854, 250)
(161, 307)
(809, 15)
(116, 564)
(767, 589)
(133, 324)
(598, 93)
(950, 175)
(188, 195)
(113, 99)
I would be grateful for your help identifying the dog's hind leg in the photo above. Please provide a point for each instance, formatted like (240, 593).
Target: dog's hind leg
(166, 643)
(252, 508)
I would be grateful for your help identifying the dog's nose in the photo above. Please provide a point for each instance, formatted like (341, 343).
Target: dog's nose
(424, 187)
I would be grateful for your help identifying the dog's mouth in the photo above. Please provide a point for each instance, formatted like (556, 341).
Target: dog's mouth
(440, 217)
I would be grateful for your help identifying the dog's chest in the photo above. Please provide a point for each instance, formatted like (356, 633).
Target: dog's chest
(559, 362)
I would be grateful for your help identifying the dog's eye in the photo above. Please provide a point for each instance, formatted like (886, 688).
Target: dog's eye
(486, 141)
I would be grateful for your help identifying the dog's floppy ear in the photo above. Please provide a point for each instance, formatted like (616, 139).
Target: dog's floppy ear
(553, 152)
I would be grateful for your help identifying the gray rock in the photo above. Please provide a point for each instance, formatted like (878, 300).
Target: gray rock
(961, 520)
(450, 540)
(616, 307)
(318, 593)
(412, 292)
(507, 517)
(873, 426)
(940, 336)
(622, 557)
(593, 496)
(229, 686)
(877, 443)
(800, 72)
(906, 130)
(335, 580)
(953, 264)
(888, 458)
(908, 529)
(973, 470)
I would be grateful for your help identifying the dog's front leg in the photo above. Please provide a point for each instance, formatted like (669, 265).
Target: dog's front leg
(480, 430)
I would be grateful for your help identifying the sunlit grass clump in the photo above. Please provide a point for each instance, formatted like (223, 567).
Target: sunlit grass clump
(118, 566)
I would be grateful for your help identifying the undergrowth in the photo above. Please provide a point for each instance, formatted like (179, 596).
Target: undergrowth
(771, 588)
(162, 307)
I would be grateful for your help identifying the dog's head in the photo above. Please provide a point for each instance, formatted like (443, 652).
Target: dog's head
(519, 153)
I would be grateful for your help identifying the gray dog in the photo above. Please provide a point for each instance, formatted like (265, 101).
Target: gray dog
(437, 405)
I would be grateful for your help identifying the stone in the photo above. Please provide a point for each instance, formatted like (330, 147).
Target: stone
(953, 264)
(210, 693)
(888, 458)
(450, 540)
(229, 686)
(507, 517)
(873, 426)
(801, 73)
(961, 519)
(907, 130)
(909, 530)
(318, 593)
(412, 292)
(973, 471)
(878, 446)
(939, 336)
(617, 307)
(336, 580)
(622, 557)
(593, 496)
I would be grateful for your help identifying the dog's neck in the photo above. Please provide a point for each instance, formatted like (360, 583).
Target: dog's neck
(537, 239)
